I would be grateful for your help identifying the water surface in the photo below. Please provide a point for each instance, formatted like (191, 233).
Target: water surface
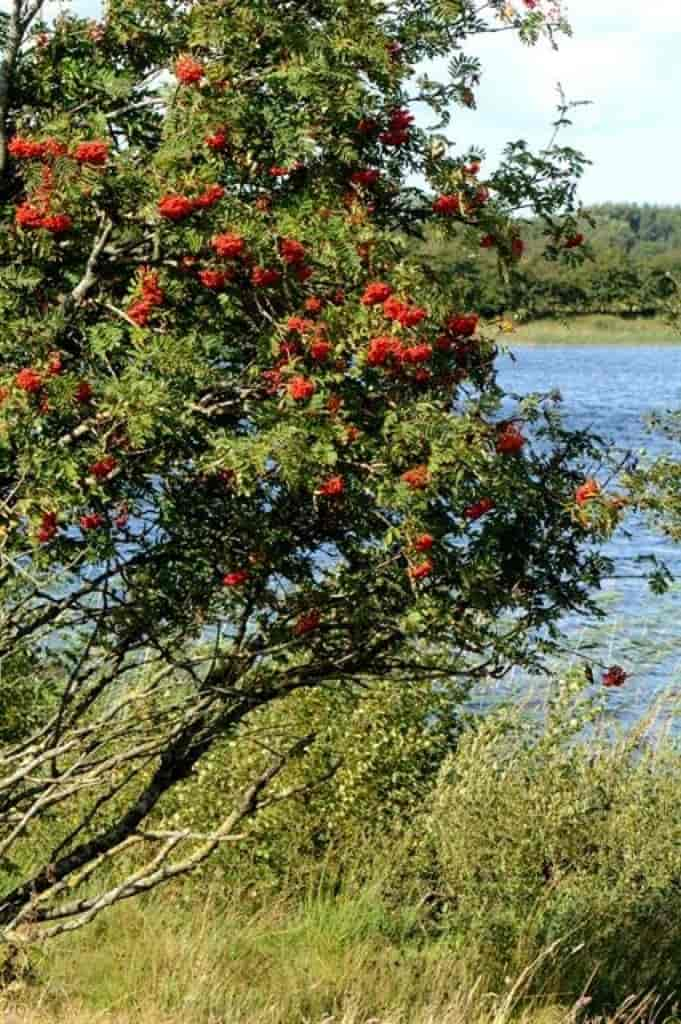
(611, 389)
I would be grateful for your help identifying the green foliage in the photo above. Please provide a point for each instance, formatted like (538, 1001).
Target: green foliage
(369, 764)
(544, 837)
(547, 850)
(626, 266)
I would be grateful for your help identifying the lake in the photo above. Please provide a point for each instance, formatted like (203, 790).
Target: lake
(611, 388)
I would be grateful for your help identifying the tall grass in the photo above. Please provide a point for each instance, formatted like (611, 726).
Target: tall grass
(327, 961)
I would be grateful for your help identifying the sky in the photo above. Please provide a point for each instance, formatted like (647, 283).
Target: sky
(623, 58)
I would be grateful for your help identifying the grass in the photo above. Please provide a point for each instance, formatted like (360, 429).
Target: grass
(539, 885)
(326, 962)
(594, 329)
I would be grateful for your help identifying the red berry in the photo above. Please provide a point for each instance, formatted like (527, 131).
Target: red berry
(29, 380)
(301, 388)
(420, 571)
(417, 478)
(228, 246)
(94, 153)
(333, 487)
(510, 441)
(188, 70)
(236, 578)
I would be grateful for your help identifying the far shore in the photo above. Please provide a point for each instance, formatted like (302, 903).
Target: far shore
(599, 329)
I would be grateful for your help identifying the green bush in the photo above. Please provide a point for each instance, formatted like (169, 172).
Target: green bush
(363, 778)
(545, 835)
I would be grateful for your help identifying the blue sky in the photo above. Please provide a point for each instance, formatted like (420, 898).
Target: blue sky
(623, 57)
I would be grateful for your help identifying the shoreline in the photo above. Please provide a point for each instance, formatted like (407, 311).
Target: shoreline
(594, 329)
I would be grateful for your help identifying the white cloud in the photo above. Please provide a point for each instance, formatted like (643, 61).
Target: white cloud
(616, 59)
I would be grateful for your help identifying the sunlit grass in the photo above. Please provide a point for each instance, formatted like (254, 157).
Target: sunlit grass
(597, 329)
(327, 962)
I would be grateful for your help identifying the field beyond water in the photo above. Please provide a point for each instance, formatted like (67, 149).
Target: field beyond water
(599, 329)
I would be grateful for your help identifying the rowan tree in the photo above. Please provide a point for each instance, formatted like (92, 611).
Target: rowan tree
(250, 442)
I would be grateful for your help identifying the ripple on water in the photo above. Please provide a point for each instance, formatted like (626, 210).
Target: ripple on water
(611, 389)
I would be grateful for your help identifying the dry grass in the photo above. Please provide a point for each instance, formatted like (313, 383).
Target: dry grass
(327, 963)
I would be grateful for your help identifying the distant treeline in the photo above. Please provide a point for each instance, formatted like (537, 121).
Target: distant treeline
(631, 251)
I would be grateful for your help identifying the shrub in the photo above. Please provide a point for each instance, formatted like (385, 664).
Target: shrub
(544, 836)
